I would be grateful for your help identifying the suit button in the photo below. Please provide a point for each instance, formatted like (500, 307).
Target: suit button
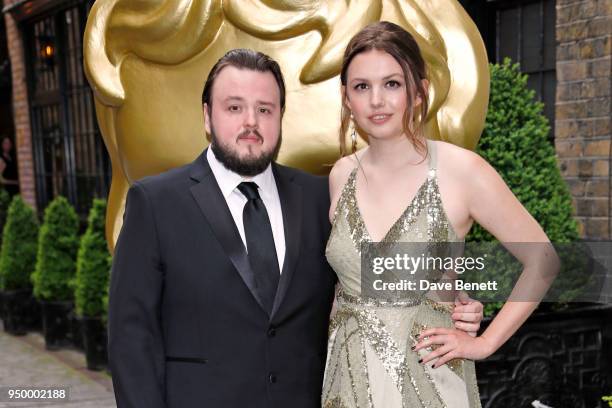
(272, 378)
(272, 332)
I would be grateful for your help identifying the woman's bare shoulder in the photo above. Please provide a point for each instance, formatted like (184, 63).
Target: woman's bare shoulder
(468, 169)
(341, 171)
(458, 160)
(338, 177)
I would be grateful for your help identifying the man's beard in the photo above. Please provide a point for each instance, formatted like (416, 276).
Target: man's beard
(248, 166)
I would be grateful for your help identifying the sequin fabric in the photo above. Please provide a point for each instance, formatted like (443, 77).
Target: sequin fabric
(370, 361)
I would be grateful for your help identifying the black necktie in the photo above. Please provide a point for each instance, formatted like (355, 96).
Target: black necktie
(260, 244)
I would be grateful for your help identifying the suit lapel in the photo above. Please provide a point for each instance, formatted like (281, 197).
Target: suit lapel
(290, 194)
(211, 202)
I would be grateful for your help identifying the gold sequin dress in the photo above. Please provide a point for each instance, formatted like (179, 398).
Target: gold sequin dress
(370, 363)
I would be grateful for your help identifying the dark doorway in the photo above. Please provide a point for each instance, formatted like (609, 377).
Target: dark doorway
(524, 31)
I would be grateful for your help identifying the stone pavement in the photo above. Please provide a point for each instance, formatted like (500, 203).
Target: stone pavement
(25, 362)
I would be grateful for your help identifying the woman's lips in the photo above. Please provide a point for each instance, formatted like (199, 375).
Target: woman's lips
(380, 118)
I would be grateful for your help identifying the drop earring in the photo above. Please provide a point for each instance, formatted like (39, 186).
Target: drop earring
(353, 135)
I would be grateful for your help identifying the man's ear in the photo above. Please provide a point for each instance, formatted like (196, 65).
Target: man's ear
(206, 118)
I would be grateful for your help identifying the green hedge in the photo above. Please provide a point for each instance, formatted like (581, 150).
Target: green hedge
(515, 142)
(57, 248)
(18, 253)
(93, 265)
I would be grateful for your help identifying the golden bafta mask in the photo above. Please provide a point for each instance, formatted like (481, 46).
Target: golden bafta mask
(147, 61)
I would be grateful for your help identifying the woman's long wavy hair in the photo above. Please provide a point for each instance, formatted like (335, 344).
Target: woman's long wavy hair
(401, 45)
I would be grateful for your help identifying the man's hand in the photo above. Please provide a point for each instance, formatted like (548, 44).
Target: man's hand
(467, 314)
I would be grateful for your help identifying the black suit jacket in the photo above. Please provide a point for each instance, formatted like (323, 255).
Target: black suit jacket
(186, 328)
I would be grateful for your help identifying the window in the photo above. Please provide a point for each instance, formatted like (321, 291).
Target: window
(524, 31)
(526, 34)
(69, 154)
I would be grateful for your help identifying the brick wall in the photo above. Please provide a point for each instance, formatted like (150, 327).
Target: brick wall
(21, 111)
(582, 123)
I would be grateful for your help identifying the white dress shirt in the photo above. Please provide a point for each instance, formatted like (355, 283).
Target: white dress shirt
(228, 183)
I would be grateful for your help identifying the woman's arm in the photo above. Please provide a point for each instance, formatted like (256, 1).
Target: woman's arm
(496, 209)
(494, 206)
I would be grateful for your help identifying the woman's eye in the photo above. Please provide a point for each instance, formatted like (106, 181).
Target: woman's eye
(360, 87)
(393, 84)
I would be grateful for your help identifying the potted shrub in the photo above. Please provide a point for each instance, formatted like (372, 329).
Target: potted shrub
(5, 201)
(17, 260)
(91, 286)
(55, 268)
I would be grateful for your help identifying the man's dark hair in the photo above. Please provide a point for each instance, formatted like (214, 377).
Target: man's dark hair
(243, 58)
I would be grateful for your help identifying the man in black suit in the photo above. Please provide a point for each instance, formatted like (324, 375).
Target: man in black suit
(194, 319)
(220, 292)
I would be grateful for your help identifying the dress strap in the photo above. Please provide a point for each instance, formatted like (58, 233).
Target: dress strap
(432, 156)
(347, 189)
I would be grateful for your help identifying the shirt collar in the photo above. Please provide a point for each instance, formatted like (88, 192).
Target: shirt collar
(229, 180)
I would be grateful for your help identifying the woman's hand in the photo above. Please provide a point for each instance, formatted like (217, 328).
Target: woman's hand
(452, 343)
(467, 314)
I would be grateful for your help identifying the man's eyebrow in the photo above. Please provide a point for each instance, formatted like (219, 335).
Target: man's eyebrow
(241, 99)
(267, 103)
(233, 98)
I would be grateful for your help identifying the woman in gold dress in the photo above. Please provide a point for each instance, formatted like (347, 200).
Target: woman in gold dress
(405, 188)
